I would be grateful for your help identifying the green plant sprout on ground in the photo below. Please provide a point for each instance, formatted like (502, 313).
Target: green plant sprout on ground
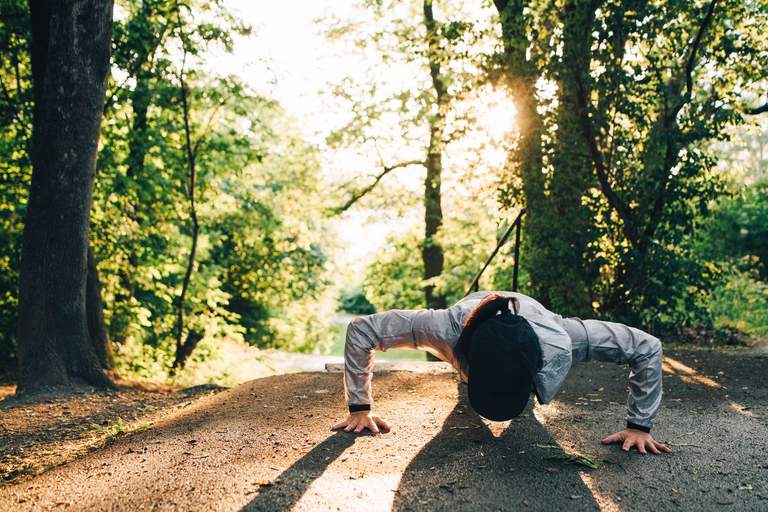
(570, 456)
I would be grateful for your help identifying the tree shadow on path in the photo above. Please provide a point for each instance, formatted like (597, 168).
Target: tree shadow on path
(466, 467)
(292, 483)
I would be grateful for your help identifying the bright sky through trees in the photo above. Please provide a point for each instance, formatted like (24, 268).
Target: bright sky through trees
(290, 58)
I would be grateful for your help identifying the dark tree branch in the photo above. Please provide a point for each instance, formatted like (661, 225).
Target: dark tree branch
(148, 57)
(668, 124)
(661, 196)
(693, 51)
(202, 136)
(434, 46)
(182, 349)
(590, 137)
(757, 110)
(356, 196)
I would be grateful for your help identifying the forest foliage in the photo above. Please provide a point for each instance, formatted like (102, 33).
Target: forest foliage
(260, 274)
(617, 124)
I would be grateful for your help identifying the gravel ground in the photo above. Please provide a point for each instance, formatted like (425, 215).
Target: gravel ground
(266, 445)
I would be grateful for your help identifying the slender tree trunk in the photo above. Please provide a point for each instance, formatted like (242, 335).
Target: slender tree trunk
(432, 251)
(137, 151)
(70, 55)
(184, 348)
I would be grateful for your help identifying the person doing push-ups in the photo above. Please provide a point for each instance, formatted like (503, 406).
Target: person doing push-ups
(505, 346)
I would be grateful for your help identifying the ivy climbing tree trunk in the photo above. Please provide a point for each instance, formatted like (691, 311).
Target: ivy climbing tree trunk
(525, 161)
(70, 55)
(432, 252)
(571, 269)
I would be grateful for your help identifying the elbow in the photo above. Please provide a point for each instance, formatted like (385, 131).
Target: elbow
(649, 351)
(358, 335)
(654, 346)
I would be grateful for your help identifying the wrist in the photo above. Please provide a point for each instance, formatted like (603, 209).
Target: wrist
(353, 408)
(635, 426)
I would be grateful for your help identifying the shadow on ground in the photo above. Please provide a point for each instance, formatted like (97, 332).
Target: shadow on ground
(467, 466)
(295, 480)
(218, 453)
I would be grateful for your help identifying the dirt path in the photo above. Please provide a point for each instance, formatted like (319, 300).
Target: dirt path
(265, 445)
(53, 429)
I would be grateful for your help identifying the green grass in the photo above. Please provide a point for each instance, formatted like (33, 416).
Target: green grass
(117, 428)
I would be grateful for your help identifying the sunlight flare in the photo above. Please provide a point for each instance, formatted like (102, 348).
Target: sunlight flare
(496, 113)
(687, 374)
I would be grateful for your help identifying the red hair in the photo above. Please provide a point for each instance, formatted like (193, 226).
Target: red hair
(489, 307)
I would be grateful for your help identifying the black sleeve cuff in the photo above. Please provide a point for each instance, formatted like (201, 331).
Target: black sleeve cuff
(359, 407)
(635, 426)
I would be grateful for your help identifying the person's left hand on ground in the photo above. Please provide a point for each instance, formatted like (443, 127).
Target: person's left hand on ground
(358, 421)
(643, 441)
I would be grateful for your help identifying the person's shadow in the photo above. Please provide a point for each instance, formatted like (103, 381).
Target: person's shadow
(466, 467)
(294, 481)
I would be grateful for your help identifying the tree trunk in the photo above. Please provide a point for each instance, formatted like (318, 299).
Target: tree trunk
(184, 348)
(432, 251)
(525, 161)
(70, 73)
(97, 328)
(571, 269)
(137, 151)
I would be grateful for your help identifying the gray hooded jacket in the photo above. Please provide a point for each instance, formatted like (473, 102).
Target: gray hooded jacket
(564, 342)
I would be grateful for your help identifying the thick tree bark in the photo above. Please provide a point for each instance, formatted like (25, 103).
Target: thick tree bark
(557, 225)
(525, 160)
(432, 252)
(572, 270)
(54, 344)
(97, 328)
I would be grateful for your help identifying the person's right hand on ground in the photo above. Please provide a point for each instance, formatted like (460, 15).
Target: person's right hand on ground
(631, 437)
(358, 421)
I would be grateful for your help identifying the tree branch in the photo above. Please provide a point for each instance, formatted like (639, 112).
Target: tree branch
(590, 138)
(361, 193)
(690, 63)
(147, 58)
(202, 136)
(668, 122)
(661, 194)
(757, 110)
